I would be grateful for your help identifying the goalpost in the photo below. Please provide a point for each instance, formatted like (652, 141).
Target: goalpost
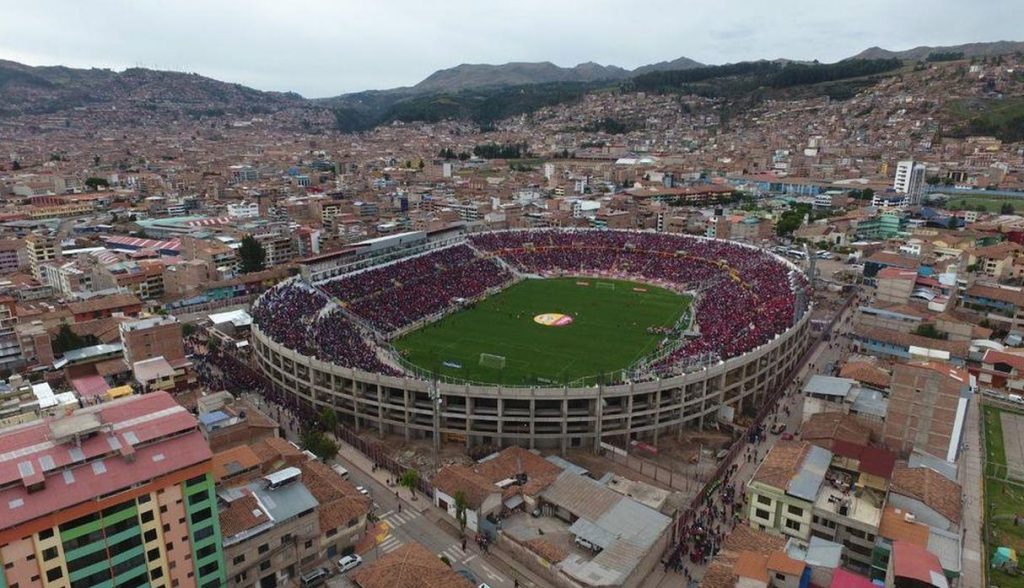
(492, 361)
(605, 285)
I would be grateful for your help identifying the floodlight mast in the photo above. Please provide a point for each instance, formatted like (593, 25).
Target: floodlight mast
(435, 403)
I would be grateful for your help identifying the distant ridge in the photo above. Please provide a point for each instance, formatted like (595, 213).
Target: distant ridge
(968, 49)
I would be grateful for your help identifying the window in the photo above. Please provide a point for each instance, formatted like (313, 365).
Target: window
(54, 574)
(780, 577)
(147, 516)
(153, 554)
(201, 515)
(205, 551)
(814, 518)
(208, 569)
(265, 565)
(238, 559)
(156, 573)
(163, 509)
(144, 499)
(49, 553)
(791, 524)
(795, 511)
(763, 499)
(761, 514)
(263, 548)
(46, 534)
(149, 535)
(309, 544)
(204, 533)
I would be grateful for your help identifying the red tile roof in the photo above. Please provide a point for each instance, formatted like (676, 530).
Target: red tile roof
(409, 566)
(164, 436)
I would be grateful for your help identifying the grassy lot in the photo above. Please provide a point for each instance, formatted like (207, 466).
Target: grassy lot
(991, 204)
(608, 332)
(1002, 501)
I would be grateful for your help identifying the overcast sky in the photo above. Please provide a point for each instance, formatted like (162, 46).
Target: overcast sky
(323, 48)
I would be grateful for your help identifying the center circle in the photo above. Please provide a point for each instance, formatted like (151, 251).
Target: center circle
(553, 319)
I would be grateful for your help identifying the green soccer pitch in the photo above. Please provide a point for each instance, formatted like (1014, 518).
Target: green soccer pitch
(608, 332)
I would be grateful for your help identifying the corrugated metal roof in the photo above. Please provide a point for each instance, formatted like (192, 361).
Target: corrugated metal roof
(812, 472)
(829, 386)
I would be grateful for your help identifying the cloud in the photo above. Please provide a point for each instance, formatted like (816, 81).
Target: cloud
(323, 48)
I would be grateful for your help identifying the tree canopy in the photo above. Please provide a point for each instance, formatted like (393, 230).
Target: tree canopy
(252, 256)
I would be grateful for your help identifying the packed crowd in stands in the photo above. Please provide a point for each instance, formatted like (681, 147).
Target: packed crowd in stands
(745, 296)
(399, 294)
(296, 317)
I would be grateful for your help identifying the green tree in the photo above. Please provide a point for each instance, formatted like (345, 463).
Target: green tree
(410, 479)
(328, 420)
(188, 329)
(461, 504)
(252, 255)
(66, 340)
(321, 445)
(790, 220)
(95, 183)
(952, 224)
(1006, 208)
(929, 330)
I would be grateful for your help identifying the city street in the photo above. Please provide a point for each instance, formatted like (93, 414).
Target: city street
(826, 352)
(404, 521)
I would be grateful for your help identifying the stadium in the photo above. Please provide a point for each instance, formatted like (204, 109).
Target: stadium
(547, 338)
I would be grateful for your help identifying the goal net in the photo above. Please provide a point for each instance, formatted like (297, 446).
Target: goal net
(606, 285)
(492, 361)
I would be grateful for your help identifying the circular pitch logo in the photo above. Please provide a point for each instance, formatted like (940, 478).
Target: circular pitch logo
(553, 319)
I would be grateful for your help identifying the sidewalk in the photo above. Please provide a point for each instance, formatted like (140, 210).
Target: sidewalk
(974, 497)
(353, 456)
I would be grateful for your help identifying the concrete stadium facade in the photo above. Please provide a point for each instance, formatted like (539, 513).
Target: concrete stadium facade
(536, 417)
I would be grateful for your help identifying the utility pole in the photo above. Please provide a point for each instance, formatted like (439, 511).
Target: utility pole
(435, 403)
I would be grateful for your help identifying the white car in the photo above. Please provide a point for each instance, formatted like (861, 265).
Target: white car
(363, 491)
(348, 562)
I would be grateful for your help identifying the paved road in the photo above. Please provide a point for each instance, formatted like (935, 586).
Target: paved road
(416, 521)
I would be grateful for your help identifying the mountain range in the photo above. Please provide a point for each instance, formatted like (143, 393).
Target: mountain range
(477, 91)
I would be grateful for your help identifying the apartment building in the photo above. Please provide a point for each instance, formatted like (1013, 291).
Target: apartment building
(270, 530)
(101, 307)
(927, 403)
(784, 489)
(10, 348)
(13, 255)
(41, 248)
(119, 493)
(156, 336)
(909, 181)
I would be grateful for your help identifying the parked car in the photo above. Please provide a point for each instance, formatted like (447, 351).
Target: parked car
(778, 428)
(348, 562)
(787, 436)
(314, 577)
(363, 491)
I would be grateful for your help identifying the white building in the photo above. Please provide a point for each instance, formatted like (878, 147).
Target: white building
(244, 209)
(910, 181)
